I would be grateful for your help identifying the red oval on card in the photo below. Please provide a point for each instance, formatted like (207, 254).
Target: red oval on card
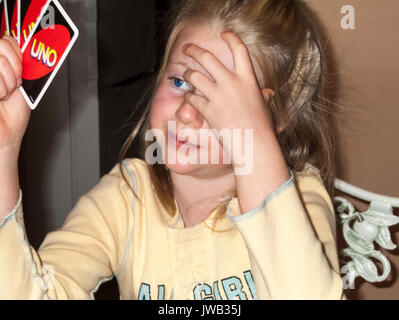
(44, 51)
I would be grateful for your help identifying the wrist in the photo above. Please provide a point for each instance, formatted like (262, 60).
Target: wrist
(258, 148)
(269, 172)
(9, 187)
(9, 155)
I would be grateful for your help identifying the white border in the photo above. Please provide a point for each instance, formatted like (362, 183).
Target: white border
(54, 72)
(18, 3)
(19, 21)
(6, 13)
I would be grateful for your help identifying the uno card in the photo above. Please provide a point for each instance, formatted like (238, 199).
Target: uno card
(13, 12)
(30, 11)
(4, 31)
(45, 50)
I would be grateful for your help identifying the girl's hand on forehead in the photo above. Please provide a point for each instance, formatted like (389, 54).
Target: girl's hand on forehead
(234, 100)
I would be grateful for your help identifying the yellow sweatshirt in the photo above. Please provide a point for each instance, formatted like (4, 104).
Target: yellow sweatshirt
(283, 249)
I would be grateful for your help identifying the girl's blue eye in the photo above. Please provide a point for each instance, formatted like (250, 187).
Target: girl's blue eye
(180, 83)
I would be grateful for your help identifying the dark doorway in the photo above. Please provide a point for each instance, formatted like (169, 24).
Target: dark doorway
(130, 38)
(131, 35)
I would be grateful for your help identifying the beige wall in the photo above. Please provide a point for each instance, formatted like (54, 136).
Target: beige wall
(368, 74)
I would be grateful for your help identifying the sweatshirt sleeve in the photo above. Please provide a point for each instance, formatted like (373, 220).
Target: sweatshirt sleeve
(73, 261)
(291, 240)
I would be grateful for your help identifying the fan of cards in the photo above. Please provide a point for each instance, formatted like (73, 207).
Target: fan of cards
(45, 34)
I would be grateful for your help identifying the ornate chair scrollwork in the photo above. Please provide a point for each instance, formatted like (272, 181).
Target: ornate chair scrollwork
(361, 230)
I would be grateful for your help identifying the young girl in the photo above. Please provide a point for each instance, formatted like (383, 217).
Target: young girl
(178, 229)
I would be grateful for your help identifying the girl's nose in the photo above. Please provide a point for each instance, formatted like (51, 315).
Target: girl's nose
(189, 115)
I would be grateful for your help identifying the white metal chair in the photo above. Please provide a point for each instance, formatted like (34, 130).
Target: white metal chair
(360, 230)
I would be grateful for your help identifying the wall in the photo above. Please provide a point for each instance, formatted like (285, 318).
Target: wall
(368, 78)
(126, 52)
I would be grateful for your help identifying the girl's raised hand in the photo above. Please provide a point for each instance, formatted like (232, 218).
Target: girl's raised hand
(235, 100)
(14, 111)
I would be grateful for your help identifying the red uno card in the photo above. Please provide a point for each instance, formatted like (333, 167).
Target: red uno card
(29, 13)
(4, 31)
(45, 50)
(13, 15)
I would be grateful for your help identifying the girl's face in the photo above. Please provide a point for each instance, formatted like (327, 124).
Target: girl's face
(173, 116)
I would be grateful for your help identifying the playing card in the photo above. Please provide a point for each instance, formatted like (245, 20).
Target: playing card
(45, 50)
(3, 18)
(30, 11)
(13, 17)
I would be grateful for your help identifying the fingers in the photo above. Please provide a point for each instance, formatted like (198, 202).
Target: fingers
(208, 61)
(10, 67)
(15, 46)
(198, 103)
(241, 56)
(12, 53)
(200, 82)
(3, 88)
(9, 78)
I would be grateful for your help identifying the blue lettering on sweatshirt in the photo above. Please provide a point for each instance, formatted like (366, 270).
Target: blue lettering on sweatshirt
(232, 288)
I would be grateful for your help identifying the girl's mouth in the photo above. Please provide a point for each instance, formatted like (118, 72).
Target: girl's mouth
(179, 141)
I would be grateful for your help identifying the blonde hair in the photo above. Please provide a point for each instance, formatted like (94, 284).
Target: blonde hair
(284, 40)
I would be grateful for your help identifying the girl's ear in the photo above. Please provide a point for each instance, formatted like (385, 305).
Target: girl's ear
(267, 95)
